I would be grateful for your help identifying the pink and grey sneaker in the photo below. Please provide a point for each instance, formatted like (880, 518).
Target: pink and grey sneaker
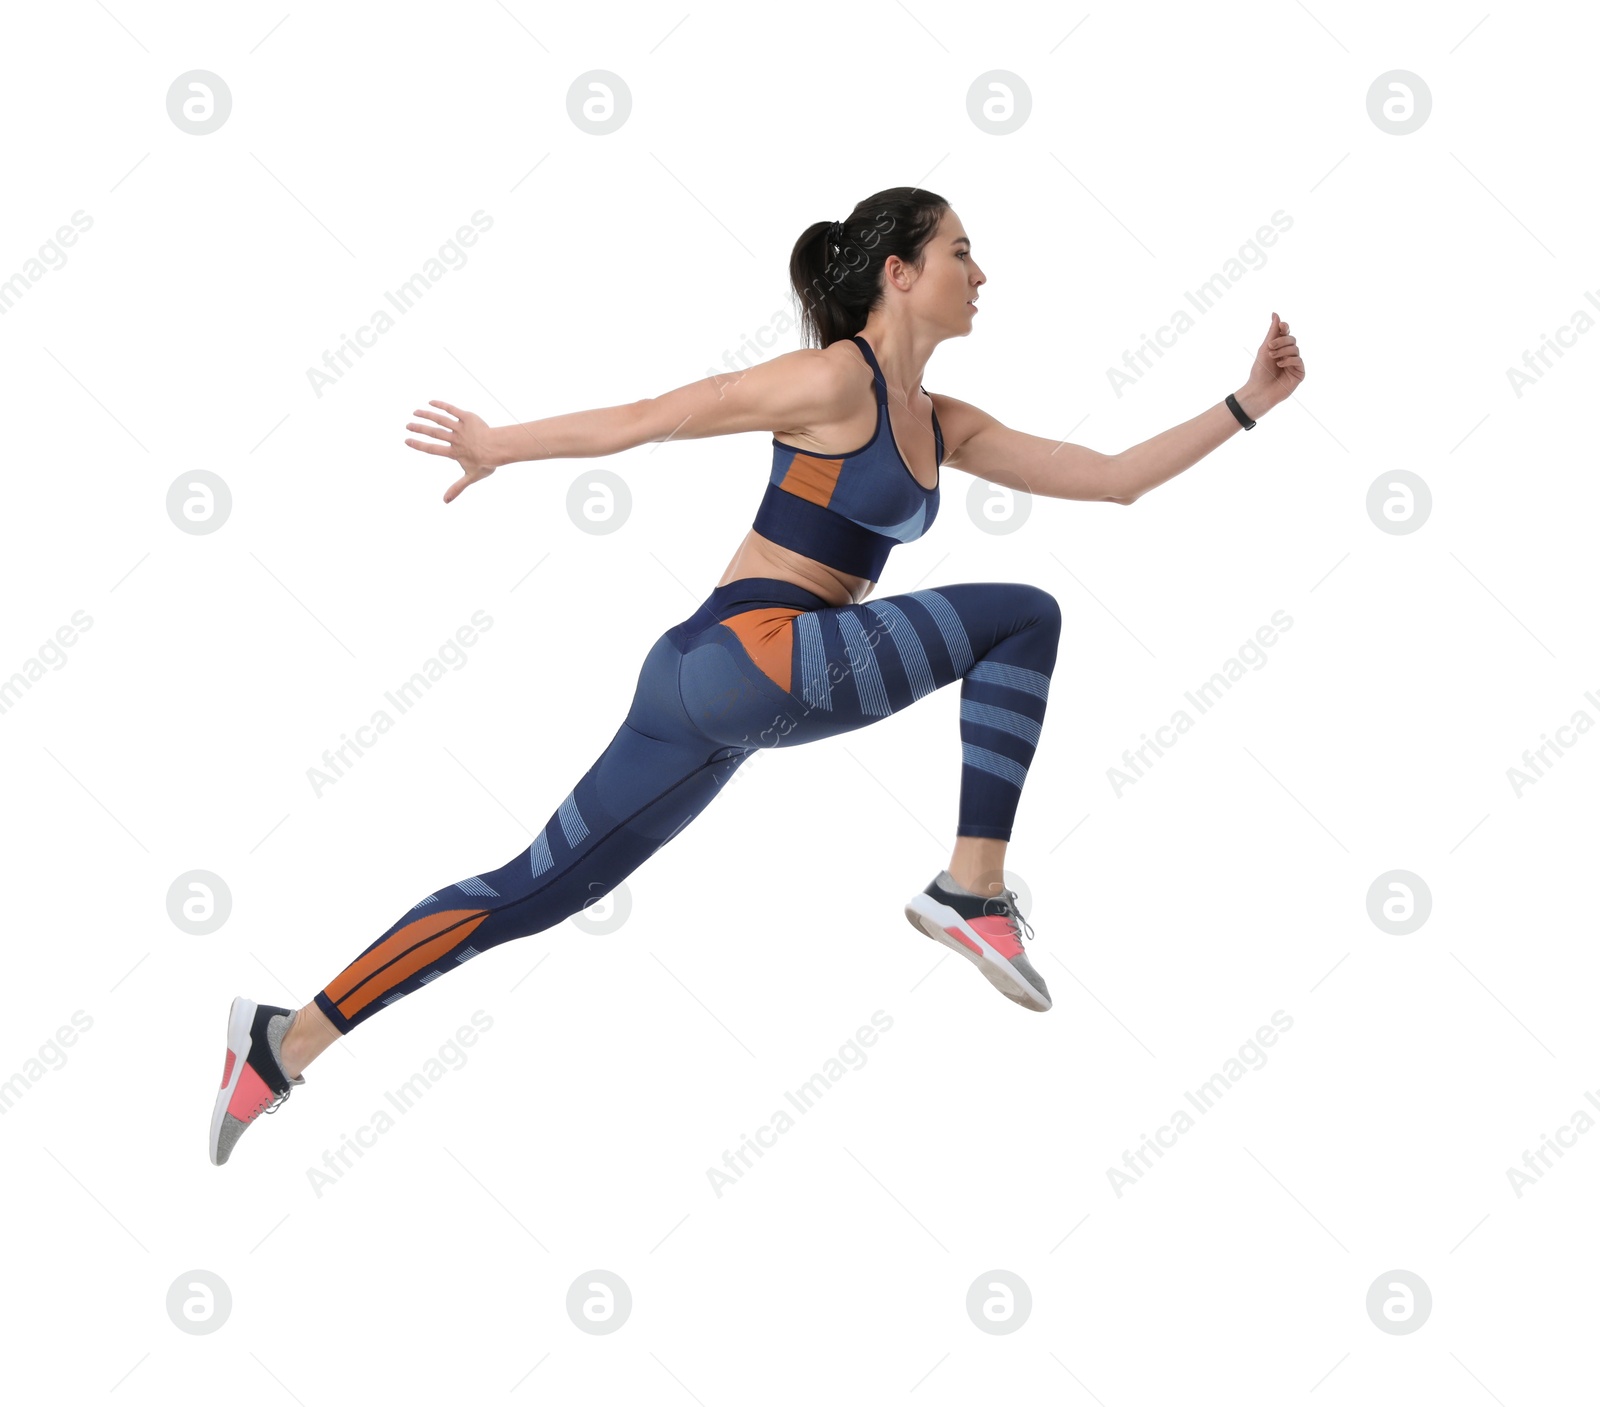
(253, 1081)
(989, 931)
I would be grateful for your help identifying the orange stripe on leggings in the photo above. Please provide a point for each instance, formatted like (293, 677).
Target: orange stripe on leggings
(400, 955)
(767, 634)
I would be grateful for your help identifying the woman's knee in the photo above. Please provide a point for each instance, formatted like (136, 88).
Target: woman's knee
(1039, 606)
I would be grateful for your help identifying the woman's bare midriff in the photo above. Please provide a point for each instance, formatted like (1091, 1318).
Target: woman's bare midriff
(760, 556)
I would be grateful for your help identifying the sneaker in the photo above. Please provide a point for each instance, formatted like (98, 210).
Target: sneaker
(253, 1081)
(989, 931)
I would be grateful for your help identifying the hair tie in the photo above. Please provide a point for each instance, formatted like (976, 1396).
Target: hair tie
(836, 232)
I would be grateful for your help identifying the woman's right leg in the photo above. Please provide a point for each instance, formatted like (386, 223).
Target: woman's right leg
(809, 671)
(822, 672)
(656, 775)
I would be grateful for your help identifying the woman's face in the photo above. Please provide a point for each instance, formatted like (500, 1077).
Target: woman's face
(942, 292)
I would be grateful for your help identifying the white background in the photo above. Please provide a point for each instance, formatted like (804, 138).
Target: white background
(1229, 883)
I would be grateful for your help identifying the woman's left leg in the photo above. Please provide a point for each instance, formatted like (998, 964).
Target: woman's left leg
(749, 670)
(653, 778)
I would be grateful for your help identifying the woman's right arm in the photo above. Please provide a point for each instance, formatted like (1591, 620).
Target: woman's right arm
(796, 390)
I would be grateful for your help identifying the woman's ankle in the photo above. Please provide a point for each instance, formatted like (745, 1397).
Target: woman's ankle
(987, 882)
(309, 1034)
(978, 863)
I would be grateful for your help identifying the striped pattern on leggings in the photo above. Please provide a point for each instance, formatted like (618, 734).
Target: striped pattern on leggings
(762, 663)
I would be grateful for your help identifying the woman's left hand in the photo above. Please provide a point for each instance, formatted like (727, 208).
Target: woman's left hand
(1277, 371)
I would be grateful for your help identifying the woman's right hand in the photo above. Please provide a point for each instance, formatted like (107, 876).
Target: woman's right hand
(466, 438)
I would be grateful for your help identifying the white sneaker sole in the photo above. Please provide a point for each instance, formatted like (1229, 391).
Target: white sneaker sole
(929, 916)
(240, 1017)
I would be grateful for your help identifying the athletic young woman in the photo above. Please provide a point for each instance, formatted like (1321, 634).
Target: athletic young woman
(783, 650)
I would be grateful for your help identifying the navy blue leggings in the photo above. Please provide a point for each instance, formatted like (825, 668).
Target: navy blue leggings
(761, 663)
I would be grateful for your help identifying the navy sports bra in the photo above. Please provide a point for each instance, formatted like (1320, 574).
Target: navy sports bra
(848, 510)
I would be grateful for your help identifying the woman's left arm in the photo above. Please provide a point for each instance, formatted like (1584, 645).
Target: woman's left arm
(1277, 371)
(980, 445)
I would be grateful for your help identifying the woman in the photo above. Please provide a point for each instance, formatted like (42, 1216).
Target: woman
(782, 650)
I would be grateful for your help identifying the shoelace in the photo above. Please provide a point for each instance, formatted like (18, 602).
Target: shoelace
(272, 1108)
(1007, 900)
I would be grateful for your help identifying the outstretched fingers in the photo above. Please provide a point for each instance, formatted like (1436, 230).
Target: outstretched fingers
(445, 431)
(439, 429)
(442, 434)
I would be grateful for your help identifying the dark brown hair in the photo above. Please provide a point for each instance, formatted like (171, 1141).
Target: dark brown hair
(838, 281)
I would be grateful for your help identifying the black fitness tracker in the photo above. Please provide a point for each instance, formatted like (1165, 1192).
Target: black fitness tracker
(1238, 412)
